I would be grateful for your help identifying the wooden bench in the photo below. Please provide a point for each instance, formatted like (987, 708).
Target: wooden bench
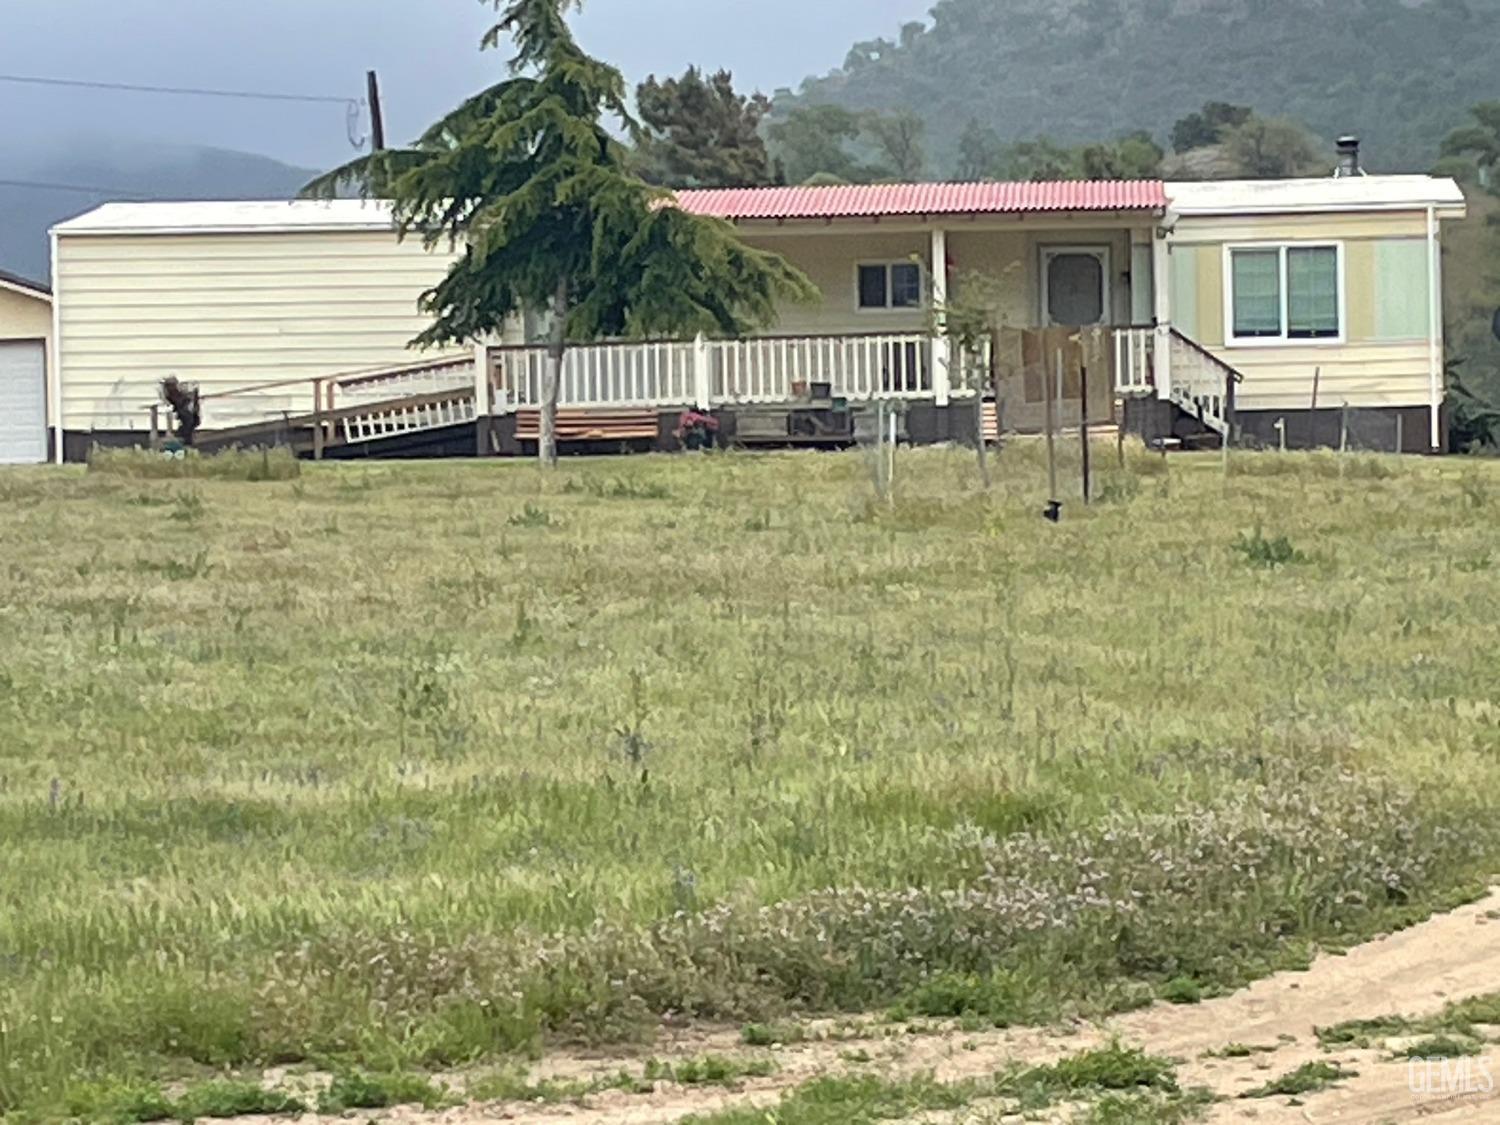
(591, 425)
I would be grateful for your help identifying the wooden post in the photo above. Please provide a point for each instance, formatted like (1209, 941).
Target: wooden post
(1083, 427)
(155, 426)
(890, 476)
(377, 115)
(1230, 409)
(1400, 443)
(317, 419)
(1344, 428)
(1051, 422)
(985, 386)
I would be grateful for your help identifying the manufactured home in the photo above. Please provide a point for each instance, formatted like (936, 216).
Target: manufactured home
(1270, 311)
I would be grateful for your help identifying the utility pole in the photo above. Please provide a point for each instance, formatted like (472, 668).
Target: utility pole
(377, 117)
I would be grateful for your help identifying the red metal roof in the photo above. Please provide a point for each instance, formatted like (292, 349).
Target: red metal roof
(881, 200)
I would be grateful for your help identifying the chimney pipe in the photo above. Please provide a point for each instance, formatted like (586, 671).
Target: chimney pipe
(1348, 150)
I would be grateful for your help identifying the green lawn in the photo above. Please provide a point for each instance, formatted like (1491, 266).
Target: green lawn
(404, 766)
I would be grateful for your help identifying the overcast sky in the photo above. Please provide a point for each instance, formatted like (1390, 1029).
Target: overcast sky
(425, 50)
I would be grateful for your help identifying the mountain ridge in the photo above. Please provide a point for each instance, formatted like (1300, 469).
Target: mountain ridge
(122, 172)
(1398, 74)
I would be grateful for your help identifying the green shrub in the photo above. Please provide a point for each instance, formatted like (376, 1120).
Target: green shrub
(1182, 990)
(1306, 1079)
(229, 1098)
(358, 1090)
(771, 1034)
(531, 516)
(1441, 1047)
(127, 1102)
(1000, 998)
(1269, 553)
(708, 1070)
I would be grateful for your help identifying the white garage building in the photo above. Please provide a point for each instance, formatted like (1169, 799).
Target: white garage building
(224, 295)
(25, 345)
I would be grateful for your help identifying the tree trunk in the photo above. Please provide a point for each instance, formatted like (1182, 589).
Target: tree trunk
(557, 344)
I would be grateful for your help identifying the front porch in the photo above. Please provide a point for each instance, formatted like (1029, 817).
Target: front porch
(708, 375)
(888, 261)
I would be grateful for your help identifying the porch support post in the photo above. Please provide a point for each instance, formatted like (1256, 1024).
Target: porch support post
(942, 345)
(1435, 331)
(1161, 279)
(702, 384)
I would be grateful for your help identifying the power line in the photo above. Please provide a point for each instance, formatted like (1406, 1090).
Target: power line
(81, 188)
(184, 91)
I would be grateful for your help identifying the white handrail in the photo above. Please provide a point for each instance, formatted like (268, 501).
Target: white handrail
(1200, 385)
(1135, 361)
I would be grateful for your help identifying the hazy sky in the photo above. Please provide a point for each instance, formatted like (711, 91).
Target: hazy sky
(425, 50)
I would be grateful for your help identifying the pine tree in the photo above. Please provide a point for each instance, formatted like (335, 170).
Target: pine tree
(529, 181)
(700, 133)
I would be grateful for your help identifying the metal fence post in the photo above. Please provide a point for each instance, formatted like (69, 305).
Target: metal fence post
(318, 419)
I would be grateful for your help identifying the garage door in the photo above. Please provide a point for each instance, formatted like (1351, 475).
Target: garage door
(23, 402)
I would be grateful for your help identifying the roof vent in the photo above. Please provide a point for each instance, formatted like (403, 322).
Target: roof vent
(1348, 150)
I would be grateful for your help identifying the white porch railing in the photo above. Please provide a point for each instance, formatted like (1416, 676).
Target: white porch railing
(701, 372)
(1135, 361)
(652, 373)
(775, 369)
(293, 398)
(1202, 384)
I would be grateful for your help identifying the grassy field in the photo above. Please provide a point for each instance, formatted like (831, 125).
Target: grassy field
(408, 766)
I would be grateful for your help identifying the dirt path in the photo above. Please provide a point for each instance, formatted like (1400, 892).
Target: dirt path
(1414, 972)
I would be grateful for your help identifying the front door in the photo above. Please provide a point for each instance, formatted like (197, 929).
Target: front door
(1075, 286)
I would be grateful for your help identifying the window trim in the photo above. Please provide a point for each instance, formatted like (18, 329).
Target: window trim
(1285, 341)
(888, 309)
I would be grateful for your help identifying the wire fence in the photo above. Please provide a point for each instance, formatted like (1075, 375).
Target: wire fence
(1347, 429)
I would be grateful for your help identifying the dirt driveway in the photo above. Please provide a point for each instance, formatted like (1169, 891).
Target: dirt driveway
(1414, 973)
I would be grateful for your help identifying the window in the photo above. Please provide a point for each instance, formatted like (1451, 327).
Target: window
(1284, 293)
(893, 285)
(1075, 287)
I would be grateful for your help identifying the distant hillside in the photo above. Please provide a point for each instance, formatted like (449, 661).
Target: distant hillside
(124, 172)
(1399, 74)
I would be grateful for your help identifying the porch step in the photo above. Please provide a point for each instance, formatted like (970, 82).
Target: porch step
(591, 425)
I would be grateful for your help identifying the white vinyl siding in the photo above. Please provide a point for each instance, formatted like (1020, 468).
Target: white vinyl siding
(227, 310)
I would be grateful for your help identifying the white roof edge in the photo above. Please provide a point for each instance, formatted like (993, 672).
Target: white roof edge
(25, 290)
(231, 217)
(1328, 195)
